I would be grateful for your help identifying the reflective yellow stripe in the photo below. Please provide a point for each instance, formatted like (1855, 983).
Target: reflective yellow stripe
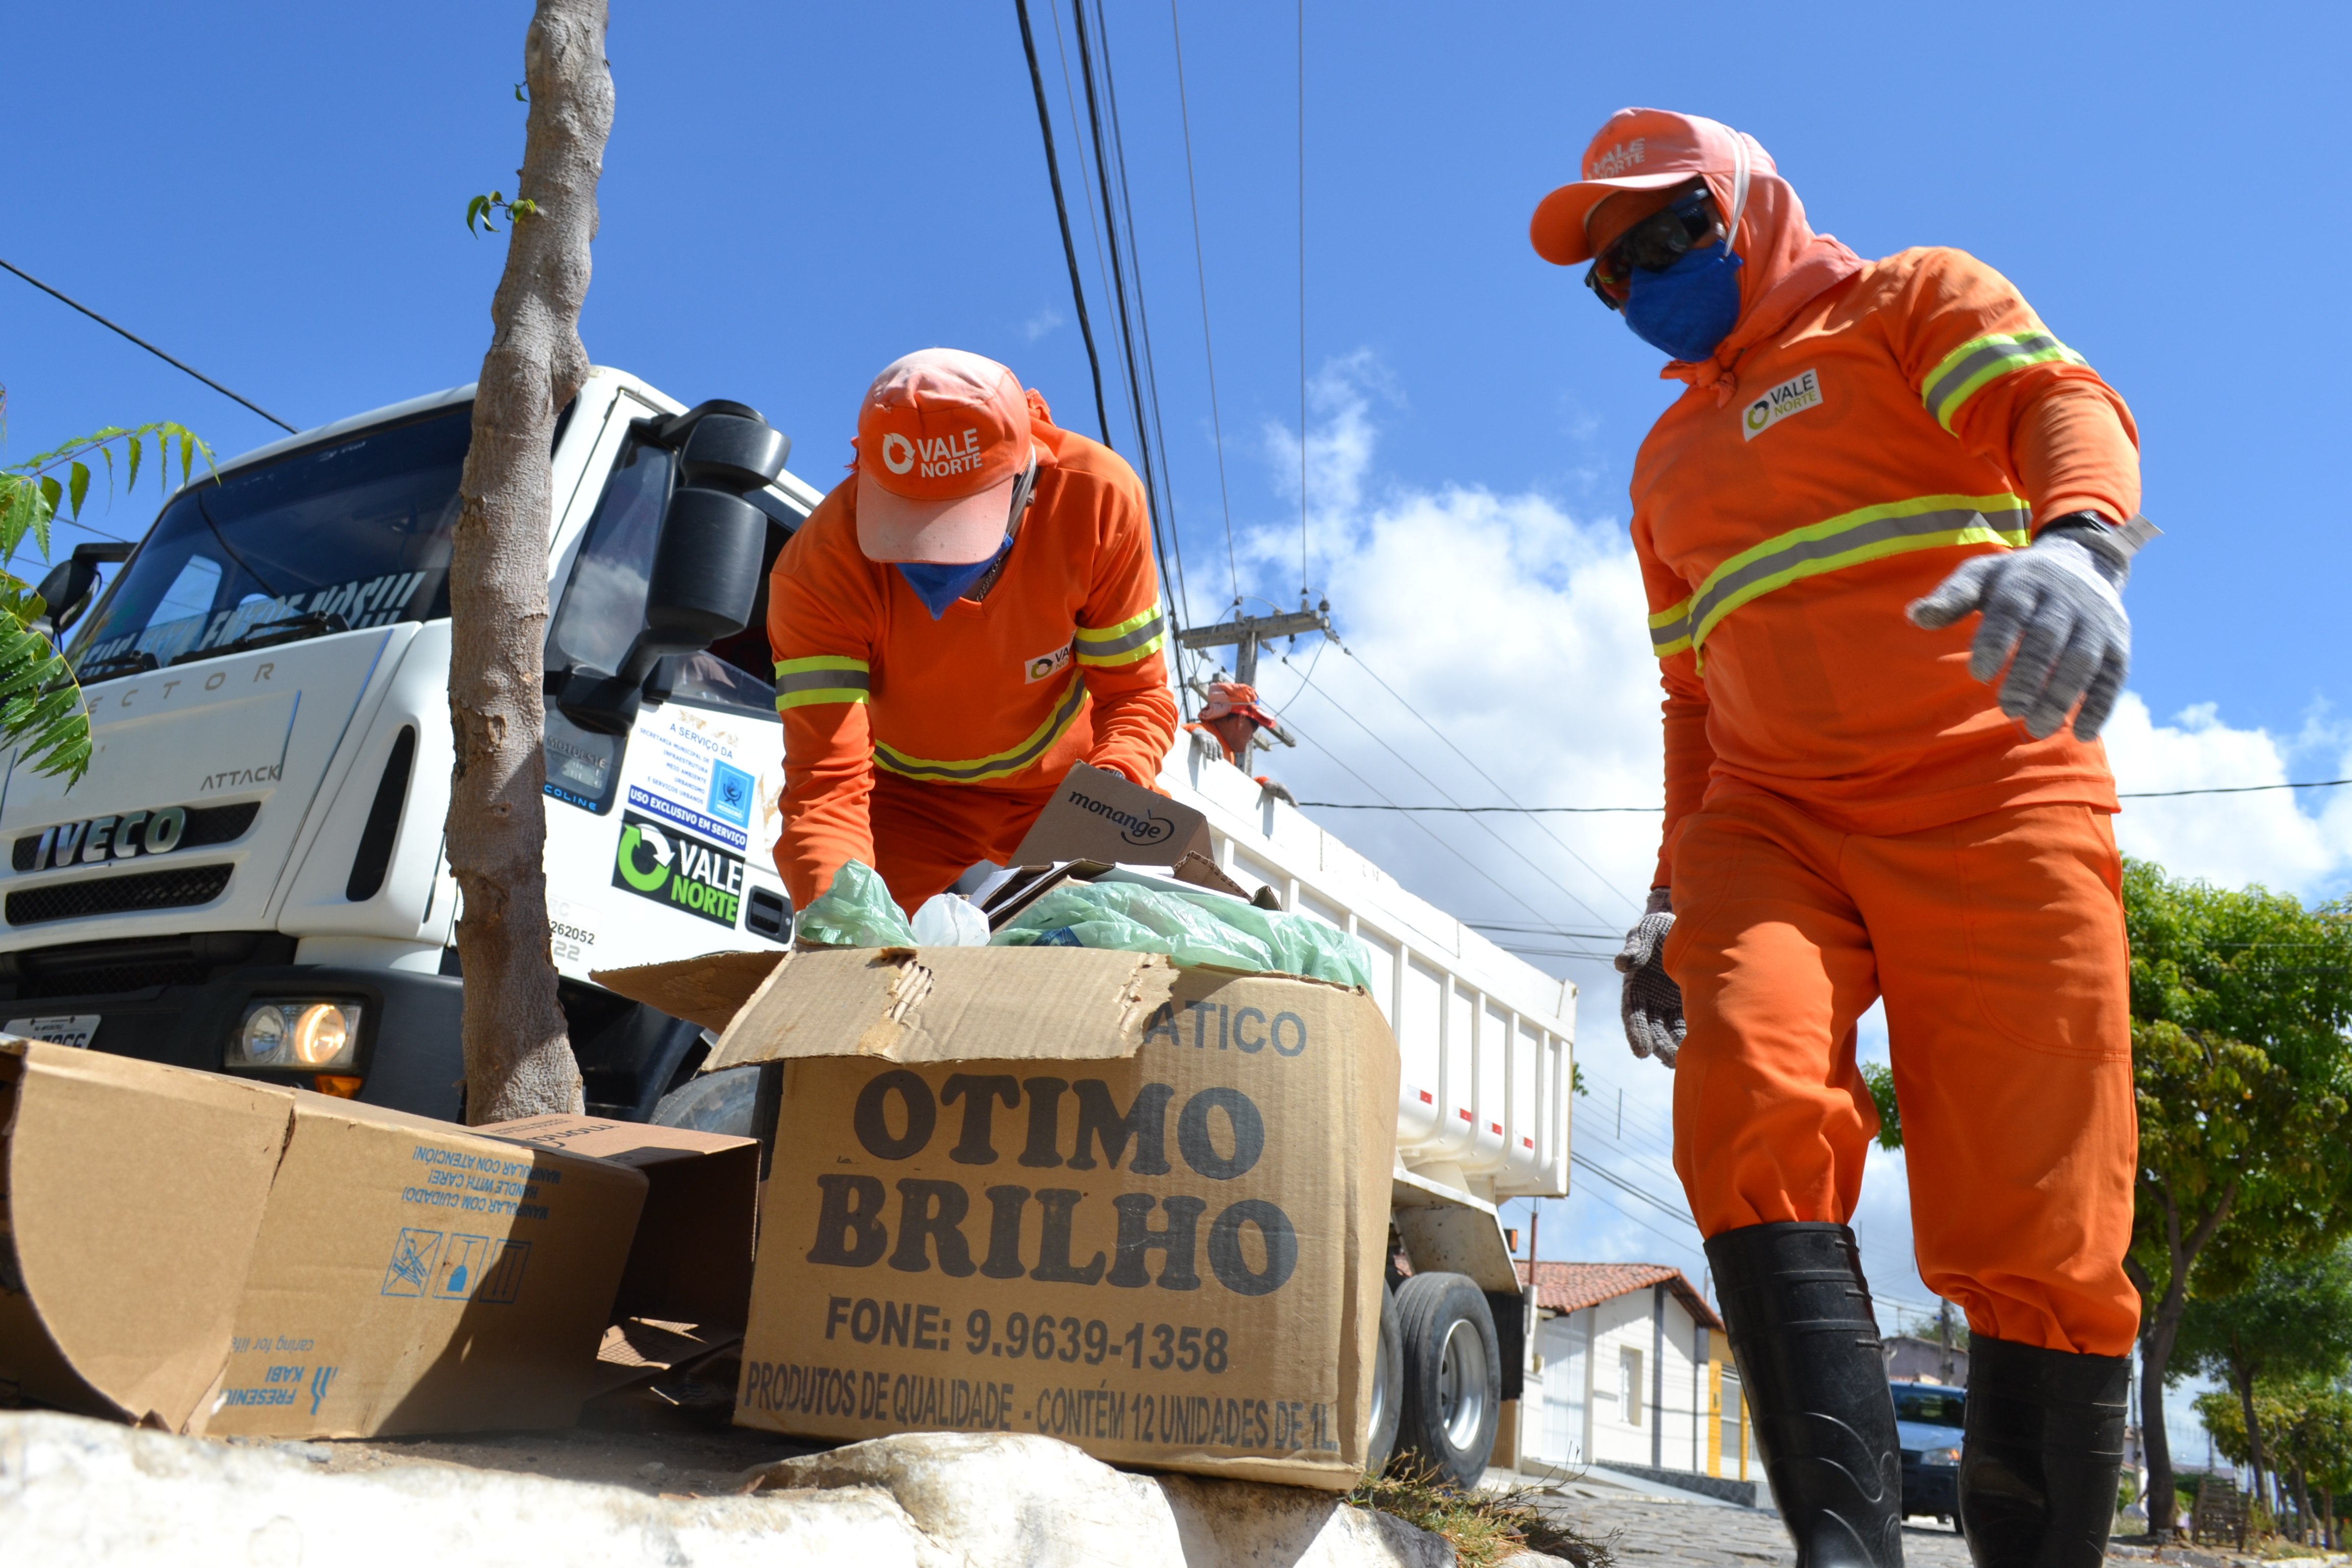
(1893, 527)
(1967, 368)
(1004, 764)
(1136, 637)
(825, 677)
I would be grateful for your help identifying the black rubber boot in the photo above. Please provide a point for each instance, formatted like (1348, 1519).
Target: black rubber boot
(2045, 1443)
(1806, 1345)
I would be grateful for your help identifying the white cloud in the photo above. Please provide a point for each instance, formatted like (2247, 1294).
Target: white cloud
(2229, 839)
(1043, 322)
(1517, 628)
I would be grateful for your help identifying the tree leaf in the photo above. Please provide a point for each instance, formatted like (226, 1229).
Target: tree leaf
(78, 487)
(132, 482)
(187, 455)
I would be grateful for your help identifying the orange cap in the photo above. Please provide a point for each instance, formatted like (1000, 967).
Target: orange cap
(941, 439)
(1642, 149)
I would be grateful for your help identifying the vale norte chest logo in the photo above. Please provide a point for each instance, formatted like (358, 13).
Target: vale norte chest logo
(659, 861)
(1794, 396)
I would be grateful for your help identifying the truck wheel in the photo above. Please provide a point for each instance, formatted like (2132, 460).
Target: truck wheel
(1452, 1376)
(1387, 1389)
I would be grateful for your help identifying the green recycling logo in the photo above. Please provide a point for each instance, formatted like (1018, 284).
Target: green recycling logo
(659, 861)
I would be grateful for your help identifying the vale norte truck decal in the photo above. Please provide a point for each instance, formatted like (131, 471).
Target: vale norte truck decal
(659, 861)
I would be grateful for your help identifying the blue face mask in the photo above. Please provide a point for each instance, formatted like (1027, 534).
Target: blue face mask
(940, 587)
(1689, 308)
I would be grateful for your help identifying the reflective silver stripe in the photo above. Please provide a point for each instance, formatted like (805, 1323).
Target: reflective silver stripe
(1789, 563)
(1957, 379)
(1672, 636)
(1003, 762)
(833, 677)
(1093, 652)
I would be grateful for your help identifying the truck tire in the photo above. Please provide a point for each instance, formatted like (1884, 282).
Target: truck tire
(1387, 1389)
(1452, 1376)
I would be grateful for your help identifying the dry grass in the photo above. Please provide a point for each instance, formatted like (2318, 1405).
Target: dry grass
(1484, 1528)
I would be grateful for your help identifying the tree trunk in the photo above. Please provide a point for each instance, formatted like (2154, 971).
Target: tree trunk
(2327, 1515)
(519, 1060)
(2243, 1377)
(2161, 1328)
(2301, 1505)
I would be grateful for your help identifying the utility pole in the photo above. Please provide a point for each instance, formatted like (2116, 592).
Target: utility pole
(1944, 1336)
(1243, 634)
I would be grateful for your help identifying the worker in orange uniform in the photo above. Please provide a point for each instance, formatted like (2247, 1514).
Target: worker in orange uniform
(971, 612)
(1853, 813)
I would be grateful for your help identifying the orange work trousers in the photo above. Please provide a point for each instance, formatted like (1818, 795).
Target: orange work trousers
(928, 835)
(1998, 944)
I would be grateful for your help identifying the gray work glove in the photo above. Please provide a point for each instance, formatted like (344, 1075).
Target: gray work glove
(1649, 1001)
(2054, 613)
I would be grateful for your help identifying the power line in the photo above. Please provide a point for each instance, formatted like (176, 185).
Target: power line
(1142, 311)
(1475, 810)
(1061, 212)
(2228, 789)
(1615, 1180)
(1441, 843)
(150, 348)
(1200, 271)
(1490, 779)
(1302, 298)
(1581, 810)
(1432, 783)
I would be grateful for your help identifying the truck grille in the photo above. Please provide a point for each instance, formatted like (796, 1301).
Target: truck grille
(118, 964)
(176, 889)
(206, 825)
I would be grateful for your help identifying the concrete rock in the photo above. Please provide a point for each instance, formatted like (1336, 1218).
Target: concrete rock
(1010, 1500)
(75, 1491)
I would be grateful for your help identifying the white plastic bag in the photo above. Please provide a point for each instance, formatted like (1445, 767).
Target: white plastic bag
(951, 920)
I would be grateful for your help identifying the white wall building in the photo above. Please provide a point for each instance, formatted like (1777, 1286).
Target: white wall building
(1631, 1368)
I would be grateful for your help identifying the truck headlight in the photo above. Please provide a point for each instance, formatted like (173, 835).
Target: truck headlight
(301, 1034)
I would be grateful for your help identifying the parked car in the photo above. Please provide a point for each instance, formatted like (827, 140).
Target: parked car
(1928, 1420)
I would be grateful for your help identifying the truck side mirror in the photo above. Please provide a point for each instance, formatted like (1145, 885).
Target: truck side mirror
(706, 574)
(65, 590)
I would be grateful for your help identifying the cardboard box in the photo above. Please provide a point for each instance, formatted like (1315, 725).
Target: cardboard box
(691, 1260)
(208, 1254)
(1098, 814)
(1073, 1192)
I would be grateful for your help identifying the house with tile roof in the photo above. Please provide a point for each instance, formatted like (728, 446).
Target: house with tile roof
(1634, 1372)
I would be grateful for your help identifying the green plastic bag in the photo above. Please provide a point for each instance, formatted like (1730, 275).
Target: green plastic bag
(1190, 927)
(858, 911)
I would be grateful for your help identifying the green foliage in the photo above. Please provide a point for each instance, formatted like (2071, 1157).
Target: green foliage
(2293, 1319)
(2240, 1004)
(41, 709)
(481, 207)
(1482, 1527)
(1881, 1079)
(2307, 1421)
(1576, 1080)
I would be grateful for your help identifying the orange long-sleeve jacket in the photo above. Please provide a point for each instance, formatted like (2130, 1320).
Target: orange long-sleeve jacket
(1911, 413)
(1061, 663)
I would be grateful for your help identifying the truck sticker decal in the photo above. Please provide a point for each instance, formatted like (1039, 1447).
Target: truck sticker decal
(656, 860)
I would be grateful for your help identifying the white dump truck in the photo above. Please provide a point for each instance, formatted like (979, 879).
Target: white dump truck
(250, 878)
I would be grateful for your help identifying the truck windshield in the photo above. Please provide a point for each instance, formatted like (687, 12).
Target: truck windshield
(352, 533)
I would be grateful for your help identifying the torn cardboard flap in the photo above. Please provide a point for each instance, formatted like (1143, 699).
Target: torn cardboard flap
(207, 1253)
(1098, 815)
(709, 990)
(691, 1260)
(952, 1004)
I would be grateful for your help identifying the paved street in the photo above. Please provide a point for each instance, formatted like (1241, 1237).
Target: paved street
(1651, 1530)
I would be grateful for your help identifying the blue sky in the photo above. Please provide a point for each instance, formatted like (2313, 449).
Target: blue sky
(795, 195)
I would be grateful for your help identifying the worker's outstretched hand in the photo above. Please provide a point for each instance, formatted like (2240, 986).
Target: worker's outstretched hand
(2054, 613)
(1650, 1002)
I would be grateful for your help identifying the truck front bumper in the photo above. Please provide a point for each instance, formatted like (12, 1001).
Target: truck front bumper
(410, 1055)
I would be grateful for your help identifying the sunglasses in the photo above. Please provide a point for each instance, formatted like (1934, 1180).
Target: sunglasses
(1655, 244)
